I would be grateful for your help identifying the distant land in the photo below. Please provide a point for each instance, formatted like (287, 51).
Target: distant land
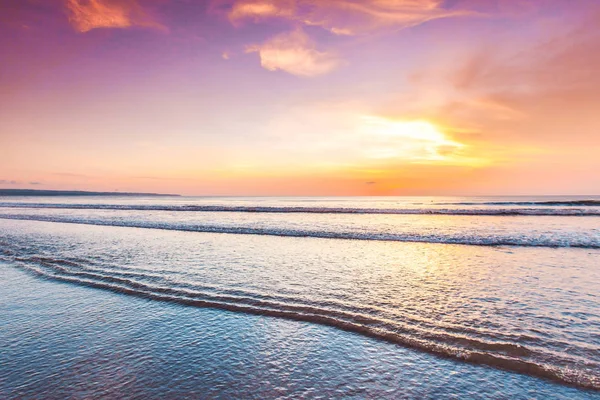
(33, 192)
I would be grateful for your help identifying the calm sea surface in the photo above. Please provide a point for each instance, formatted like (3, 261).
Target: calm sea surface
(511, 283)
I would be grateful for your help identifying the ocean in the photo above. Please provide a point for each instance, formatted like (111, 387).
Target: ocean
(504, 290)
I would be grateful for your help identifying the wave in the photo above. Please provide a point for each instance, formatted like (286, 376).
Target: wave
(339, 210)
(468, 238)
(499, 354)
(417, 321)
(552, 203)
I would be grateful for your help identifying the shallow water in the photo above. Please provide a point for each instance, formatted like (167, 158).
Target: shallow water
(532, 307)
(66, 341)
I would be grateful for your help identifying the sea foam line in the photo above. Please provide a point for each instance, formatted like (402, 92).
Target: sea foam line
(519, 241)
(567, 212)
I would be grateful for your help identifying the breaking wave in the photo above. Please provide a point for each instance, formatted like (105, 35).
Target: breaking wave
(552, 203)
(466, 238)
(545, 211)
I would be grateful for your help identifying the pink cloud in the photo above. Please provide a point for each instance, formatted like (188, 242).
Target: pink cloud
(295, 53)
(345, 17)
(86, 15)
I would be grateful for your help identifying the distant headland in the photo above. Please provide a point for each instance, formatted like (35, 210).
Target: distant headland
(34, 192)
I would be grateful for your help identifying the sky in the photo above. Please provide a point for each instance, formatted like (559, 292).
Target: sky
(301, 97)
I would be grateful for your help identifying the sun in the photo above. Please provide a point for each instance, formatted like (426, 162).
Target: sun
(417, 140)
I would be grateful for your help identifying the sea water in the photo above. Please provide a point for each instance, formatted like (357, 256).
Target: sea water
(507, 283)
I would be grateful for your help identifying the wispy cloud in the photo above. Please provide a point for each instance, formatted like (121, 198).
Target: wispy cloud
(70, 175)
(295, 53)
(15, 182)
(519, 99)
(259, 9)
(554, 80)
(344, 17)
(86, 15)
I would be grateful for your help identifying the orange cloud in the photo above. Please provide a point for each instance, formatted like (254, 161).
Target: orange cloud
(86, 15)
(295, 53)
(344, 17)
(260, 9)
(552, 85)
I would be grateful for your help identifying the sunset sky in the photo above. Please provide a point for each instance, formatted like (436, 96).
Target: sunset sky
(301, 97)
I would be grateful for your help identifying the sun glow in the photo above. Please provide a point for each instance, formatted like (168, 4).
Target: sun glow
(410, 140)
